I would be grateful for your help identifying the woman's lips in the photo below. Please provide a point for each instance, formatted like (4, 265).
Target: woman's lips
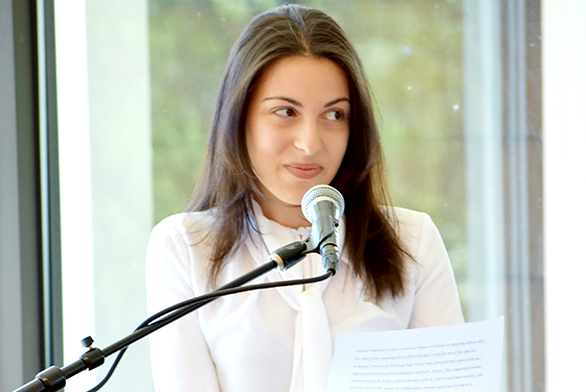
(305, 171)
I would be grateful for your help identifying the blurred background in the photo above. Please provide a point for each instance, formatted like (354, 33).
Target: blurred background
(480, 110)
(153, 71)
(413, 52)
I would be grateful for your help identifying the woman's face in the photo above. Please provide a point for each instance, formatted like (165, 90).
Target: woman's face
(297, 128)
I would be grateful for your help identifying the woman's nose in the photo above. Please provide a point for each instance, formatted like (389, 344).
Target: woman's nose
(308, 137)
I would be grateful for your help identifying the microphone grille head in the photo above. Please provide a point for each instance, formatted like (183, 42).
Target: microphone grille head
(321, 192)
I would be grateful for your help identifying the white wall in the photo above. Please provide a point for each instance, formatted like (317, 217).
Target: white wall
(564, 99)
(106, 179)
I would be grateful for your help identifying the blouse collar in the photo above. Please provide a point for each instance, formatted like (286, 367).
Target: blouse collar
(268, 227)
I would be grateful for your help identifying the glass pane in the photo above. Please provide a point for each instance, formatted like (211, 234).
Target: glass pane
(413, 55)
(137, 82)
(106, 179)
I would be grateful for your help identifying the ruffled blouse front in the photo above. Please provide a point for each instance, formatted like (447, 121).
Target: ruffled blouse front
(278, 339)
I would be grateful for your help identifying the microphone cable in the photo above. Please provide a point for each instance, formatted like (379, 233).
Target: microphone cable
(183, 308)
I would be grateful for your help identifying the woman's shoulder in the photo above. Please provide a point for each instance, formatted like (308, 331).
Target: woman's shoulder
(185, 223)
(179, 241)
(406, 219)
(183, 229)
(407, 215)
(414, 228)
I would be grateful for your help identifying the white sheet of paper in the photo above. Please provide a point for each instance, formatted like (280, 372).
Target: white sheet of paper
(462, 357)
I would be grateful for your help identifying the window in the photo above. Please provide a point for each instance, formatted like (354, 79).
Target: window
(458, 86)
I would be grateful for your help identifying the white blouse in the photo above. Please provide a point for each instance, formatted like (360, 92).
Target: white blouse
(279, 339)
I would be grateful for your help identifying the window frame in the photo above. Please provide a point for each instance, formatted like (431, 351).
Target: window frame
(21, 307)
(30, 183)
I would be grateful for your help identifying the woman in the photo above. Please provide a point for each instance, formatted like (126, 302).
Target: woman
(293, 111)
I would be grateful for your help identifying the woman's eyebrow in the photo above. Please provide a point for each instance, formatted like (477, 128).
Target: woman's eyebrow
(290, 100)
(296, 103)
(335, 101)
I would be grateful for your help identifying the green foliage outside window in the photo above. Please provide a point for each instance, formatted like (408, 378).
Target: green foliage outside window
(412, 51)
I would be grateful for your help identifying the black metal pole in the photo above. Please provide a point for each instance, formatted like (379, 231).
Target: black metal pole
(54, 378)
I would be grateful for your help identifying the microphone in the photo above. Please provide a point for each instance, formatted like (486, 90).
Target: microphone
(323, 206)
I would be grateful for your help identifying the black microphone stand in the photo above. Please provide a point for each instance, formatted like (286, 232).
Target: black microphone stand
(54, 378)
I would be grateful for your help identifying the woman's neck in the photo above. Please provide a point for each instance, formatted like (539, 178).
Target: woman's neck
(287, 215)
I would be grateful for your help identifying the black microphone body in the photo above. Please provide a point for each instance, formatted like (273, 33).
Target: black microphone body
(323, 206)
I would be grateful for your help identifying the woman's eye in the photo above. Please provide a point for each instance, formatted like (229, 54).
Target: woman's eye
(335, 115)
(286, 112)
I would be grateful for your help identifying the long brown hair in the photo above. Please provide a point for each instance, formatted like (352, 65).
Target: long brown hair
(228, 182)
